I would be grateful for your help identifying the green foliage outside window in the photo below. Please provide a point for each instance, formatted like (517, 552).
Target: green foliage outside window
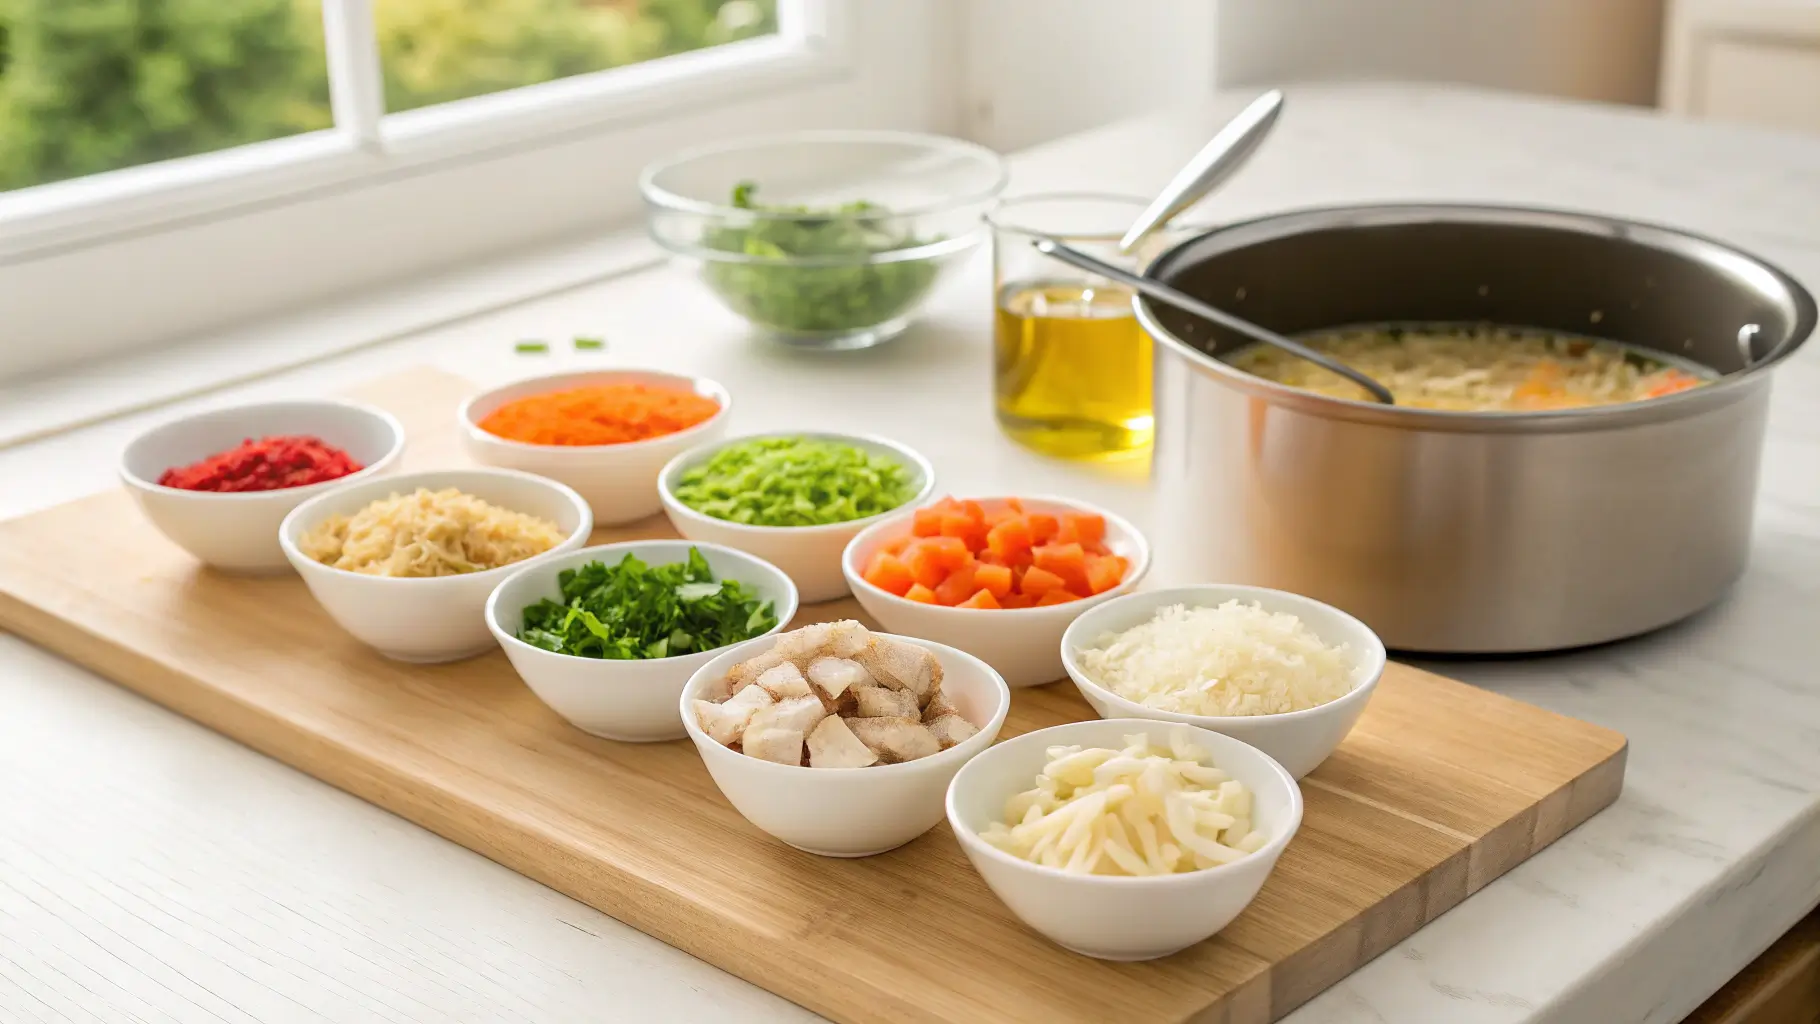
(94, 85)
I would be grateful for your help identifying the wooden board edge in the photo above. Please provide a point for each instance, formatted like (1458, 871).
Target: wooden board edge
(1448, 885)
(620, 895)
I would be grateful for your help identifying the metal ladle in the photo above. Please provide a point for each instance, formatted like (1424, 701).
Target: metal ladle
(1210, 167)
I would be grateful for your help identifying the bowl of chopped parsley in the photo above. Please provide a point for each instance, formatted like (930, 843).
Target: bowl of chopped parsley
(607, 636)
(824, 239)
(793, 499)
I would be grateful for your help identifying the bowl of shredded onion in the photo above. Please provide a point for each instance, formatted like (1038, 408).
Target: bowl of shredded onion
(405, 564)
(1124, 839)
(1285, 673)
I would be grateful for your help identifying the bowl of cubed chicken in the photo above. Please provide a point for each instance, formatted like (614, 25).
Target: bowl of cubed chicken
(838, 740)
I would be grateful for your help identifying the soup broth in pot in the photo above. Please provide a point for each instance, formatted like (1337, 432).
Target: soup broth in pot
(1476, 368)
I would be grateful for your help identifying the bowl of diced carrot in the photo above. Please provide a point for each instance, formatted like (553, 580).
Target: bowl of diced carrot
(999, 578)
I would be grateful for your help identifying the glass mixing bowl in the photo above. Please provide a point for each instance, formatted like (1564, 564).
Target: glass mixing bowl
(824, 239)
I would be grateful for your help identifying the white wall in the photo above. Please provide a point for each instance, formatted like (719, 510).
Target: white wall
(1033, 70)
(1587, 49)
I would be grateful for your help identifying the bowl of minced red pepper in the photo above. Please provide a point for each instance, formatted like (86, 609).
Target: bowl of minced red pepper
(606, 433)
(217, 484)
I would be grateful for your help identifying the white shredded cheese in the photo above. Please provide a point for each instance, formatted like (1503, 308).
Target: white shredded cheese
(1226, 661)
(1143, 810)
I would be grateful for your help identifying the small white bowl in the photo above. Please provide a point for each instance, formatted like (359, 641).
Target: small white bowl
(850, 812)
(619, 481)
(1300, 740)
(633, 701)
(238, 532)
(1117, 917)
(811, 555)
(431, 619)
(1024, 644)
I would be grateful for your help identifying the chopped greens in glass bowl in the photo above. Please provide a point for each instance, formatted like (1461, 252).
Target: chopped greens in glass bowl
(824, 239)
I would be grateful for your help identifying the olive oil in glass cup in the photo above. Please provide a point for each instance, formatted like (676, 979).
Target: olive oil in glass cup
(1071, 365)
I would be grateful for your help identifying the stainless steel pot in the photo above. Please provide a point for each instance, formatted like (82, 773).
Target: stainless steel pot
(1468, 532)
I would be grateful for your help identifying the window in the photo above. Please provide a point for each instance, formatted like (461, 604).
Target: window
(202, 163)
(98, 85)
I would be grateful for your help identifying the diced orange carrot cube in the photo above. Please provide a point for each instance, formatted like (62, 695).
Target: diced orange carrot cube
(981, 598)
(1016, 600)
(1009, 540)
(928, 522)
(1038, 581)
(1065, 560)
(889, 573)
(1104, 572)
(925, 565)
(1056, 597)
(1043, 527)
(971, 531)
(947, 504)
(896, 545)
(973, 510)
(920, 594)
(995, 578)
(1083, 528)
(949, 552)
(957, 587)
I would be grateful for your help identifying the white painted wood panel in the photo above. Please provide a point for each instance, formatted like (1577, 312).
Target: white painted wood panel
(1747, 61)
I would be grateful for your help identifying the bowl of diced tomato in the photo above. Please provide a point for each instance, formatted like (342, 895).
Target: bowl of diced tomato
(999, 578)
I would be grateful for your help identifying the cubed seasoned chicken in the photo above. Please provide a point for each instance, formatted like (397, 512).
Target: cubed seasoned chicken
(726, 721)
(747, 672)
(846, 638)
(834, 676)
(785, 746)
(800, 714)
(950, 729)
(903, 666)
(938, 706)
(833, 745)
(804, 644)
(894, 739)
(784, 681)
(842, 639)
(878, 702)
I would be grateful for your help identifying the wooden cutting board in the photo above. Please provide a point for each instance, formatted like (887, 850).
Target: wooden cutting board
(1440, 789)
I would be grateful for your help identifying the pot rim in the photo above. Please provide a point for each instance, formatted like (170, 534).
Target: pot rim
(1269, 227)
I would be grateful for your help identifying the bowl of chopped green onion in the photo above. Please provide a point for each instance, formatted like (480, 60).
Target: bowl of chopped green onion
(824, 239)
(793, 499)
(608, 636)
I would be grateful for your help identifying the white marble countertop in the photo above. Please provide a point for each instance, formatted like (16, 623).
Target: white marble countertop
(151, 870)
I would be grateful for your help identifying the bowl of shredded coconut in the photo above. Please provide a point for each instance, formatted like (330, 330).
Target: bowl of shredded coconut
(1285, 673)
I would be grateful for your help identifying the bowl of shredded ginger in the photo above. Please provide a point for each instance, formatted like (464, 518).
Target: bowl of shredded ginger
(606, 433)
(1285, 673)
(218, 483)
(793, 499)
(405, 564)
(824, 239)
(607, 636)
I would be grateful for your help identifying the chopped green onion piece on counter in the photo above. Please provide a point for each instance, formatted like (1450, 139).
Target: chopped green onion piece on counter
(532, 346)
(590, 344)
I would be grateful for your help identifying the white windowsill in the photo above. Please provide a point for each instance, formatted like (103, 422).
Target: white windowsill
(32, 408)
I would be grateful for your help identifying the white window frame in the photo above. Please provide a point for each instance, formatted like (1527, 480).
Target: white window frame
(186, 246)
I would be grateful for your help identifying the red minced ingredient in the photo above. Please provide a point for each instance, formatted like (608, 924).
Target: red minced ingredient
(268, 464)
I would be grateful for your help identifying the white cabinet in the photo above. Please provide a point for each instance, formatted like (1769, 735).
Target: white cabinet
(1752, 61)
